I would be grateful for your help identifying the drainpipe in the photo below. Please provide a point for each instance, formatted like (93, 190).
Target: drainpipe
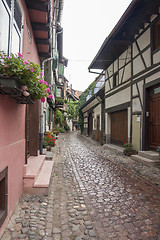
(41, 114)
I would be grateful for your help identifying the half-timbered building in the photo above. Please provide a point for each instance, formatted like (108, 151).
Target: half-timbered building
(130, 56)
(93, 112)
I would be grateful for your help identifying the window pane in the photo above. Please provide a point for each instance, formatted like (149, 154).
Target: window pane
(15, 41)
(4, 28)
(58, 92)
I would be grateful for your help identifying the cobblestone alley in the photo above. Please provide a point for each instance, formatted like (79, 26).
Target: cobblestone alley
(90, 198)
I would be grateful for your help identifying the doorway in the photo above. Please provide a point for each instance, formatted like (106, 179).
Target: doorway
(154, 117)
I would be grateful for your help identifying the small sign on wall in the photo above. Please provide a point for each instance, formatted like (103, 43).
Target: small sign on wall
(138, 118)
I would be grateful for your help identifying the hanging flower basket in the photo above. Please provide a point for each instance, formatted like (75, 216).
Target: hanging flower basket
(12, 87)
(16, 72)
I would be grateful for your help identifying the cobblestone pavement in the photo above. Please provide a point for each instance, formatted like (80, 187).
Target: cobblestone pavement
(91, 197)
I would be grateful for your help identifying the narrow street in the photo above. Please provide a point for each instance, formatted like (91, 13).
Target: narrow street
(90, 198)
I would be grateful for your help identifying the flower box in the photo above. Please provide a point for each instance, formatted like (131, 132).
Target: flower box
(10, 86)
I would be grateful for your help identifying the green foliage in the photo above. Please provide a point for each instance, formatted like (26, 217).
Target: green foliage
(58, 130)
(81, 121)
(72, 111)
(82, 100)
(128, 146)
(59, 101)
(49, 139)
(58, 117)
(89, 90)
(66, 127)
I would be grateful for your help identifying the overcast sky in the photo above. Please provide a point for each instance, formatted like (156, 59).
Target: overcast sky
(86, 24)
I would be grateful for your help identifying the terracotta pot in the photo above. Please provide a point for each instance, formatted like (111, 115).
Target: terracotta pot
(48, 148)
(25, 93)
(24, 88)
(129, 153)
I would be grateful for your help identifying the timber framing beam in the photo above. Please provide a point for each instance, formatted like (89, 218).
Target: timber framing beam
(37, 5)
(40, 26)
(42, 41)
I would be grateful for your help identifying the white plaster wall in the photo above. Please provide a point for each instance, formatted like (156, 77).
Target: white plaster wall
(85, 114)
(138, 65)
(91, 104)
(153, 77)
(134, 90)
(144, 39)
(136, 105)
(156, 57)
(97, 111)
(140, 87)
(115, 66)
(107, 124)
(147, 57)
(122, 58)
(107, 87)
(135, 50)
(120, 97)
(110, 70)
(153, 17)
(127, 72)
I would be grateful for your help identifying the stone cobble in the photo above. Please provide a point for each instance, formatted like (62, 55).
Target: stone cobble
(92, 196)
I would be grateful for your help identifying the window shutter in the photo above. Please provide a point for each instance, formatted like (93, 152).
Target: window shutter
(17, 15)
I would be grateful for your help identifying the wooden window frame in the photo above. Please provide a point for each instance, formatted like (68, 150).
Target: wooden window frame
(3, 195)
(14, 11)
(115, 78)
(156, 35)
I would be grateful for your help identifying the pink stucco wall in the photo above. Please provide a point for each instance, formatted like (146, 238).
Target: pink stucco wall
(29, 47)
(12, 128)
(12, 148)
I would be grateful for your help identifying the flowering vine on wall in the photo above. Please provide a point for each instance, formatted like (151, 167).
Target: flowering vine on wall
(28, 74)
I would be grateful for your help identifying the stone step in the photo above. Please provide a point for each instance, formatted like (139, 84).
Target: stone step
(149, 154)
(146, 161)
(33, 166)
(42, 179)
(37, 174)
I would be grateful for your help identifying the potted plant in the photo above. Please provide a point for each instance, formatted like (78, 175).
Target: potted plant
(128, 149)
(49, 140)
(26, 74)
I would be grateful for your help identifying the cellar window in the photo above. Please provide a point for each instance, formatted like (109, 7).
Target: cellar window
(3, 194)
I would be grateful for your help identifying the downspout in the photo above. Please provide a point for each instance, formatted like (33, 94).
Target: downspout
(41, 114)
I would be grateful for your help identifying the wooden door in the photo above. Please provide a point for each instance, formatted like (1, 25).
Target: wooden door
(119, 127)
(90, 123)
(98, 128)
(154, 117)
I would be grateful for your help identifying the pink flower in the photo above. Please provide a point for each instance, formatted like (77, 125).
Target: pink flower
(31, 70)
(50, 96)
(26, 62)
(19, 54)
(1, 56)
(41, 74)
(27, 66)
(43, 99)
(45, 82)
(49, 85)
(48, 90)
